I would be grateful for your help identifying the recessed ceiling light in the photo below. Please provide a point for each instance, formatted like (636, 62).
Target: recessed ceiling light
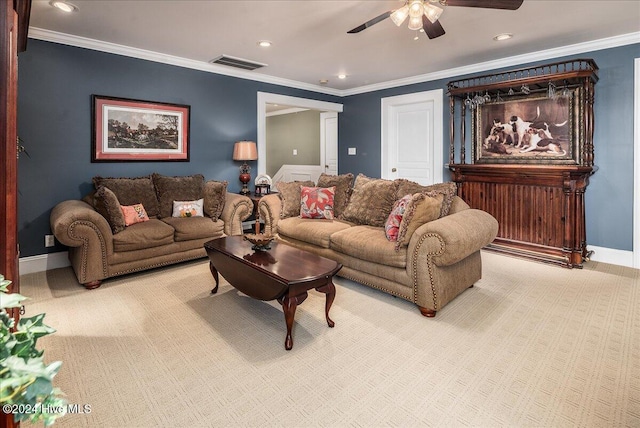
(264, 43)
(342, 76)
(64, 6)
(503, 36)
(324, 81)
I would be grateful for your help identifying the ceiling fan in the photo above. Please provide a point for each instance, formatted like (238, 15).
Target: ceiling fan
(424, 14)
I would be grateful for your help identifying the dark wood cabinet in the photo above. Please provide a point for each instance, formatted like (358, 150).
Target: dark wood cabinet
(540, 202)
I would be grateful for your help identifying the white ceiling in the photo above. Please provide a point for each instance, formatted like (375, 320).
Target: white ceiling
(310, 40)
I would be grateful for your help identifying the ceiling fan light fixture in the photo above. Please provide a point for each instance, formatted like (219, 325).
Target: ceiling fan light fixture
(432, 12)
(415, 23)
(400, 15)
(416, 8)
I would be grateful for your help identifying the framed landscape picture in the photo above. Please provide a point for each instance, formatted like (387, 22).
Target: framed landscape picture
(533, 129)
(135, 130)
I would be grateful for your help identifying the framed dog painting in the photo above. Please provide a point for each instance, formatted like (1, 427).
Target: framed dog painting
(527, 129)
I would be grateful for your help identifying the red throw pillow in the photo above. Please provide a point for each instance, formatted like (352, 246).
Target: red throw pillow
(134, 214)
(392, 225)
(317, 202)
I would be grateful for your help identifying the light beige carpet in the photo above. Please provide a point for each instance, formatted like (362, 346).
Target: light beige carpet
(530, 345)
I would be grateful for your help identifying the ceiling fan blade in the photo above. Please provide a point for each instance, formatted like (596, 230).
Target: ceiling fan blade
(487, 4)
(432, 30)
(370, 22)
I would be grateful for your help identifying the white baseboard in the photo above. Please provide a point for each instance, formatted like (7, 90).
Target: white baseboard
(50, 261)
(614, 257)
(44, 262)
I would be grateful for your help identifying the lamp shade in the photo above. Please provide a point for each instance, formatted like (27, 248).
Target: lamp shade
(245, 151)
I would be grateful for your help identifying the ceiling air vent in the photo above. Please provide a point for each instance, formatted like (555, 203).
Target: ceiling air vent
(230, 61)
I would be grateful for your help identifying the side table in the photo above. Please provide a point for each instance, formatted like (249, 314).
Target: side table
(256, 213)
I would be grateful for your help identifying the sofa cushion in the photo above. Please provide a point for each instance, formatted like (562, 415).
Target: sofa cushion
(368, 243)
(448, 190)
(169, 189)
(134, 214)
(131, 191)
(139, 236)
(317, 202)
(371, 201)
(289, 193)
(392, 225)
(188, 208)
(343, 184)
(215, 193)
(188, 228)
(316, 232)
(106, 203)
(420, 209)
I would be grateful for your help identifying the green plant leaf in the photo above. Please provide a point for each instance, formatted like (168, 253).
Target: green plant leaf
(13, 300)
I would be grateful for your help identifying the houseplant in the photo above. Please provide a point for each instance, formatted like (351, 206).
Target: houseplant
(26, 388)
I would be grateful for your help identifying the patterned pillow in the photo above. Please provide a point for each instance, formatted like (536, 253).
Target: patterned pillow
(188, 208)
(134, 214)
(289, 193)
(106, 203)
(420, 209)
(130, 191)
(343, 185)
(392, 226)
(214, 198)
(169, 189)
(317, 202)
(371, 201)
(448, 190)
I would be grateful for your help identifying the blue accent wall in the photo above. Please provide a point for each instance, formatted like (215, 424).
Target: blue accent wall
(609, 197)
(54, 121)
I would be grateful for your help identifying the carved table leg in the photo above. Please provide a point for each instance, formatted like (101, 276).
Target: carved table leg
(214, 272)
(330, 290)
(289, 305)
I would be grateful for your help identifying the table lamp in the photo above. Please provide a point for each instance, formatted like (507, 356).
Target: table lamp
(245, 151)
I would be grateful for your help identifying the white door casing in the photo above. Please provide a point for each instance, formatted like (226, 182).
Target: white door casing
(411, 135)
(636, 166)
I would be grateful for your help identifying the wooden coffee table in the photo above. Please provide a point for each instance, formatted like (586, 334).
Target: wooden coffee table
(284, 273)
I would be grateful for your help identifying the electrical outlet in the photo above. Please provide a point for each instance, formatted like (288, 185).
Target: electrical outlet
(49, 241)
(295, 152)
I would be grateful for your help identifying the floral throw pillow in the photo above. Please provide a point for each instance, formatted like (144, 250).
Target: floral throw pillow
(392, 225)
(188, 208)
(317, 202)
(134, 214)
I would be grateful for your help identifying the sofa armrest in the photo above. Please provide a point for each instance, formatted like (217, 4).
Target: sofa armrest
(454, 237)
(236, 209)
(269, 209)
(77, 225)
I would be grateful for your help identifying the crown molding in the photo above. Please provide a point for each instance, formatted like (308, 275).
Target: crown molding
(97, 45)
(595, 45)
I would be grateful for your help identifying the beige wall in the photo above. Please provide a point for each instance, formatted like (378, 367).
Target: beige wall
(286, 132)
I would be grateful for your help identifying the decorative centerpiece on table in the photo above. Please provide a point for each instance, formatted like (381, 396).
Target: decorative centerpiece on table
(260, 241)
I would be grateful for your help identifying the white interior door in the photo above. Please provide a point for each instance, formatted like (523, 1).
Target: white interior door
(329, 142)
(412, 137)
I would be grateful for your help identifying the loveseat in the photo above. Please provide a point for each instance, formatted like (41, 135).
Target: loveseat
(434, 257)
(132, 224)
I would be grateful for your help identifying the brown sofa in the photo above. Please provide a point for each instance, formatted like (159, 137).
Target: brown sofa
(102, 246)
(439, 259)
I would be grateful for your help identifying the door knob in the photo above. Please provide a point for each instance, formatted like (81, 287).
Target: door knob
(393, 170)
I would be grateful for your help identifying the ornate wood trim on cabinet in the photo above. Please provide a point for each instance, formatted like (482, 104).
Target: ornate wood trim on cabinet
(539, 201)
